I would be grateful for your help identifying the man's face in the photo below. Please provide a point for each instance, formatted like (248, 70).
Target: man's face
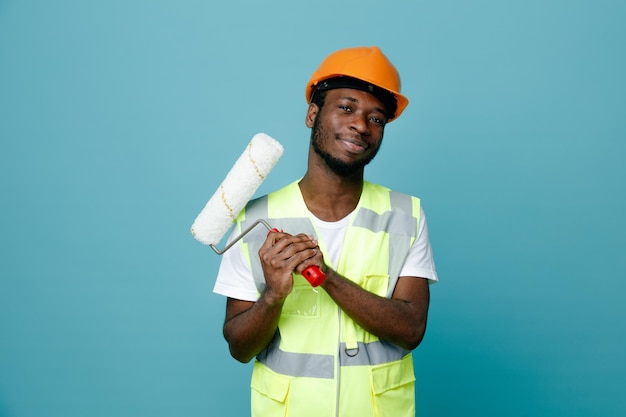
(348, 130)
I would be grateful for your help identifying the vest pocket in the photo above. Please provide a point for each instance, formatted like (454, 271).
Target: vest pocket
(393, 388)
(303, 300)
(269, 392)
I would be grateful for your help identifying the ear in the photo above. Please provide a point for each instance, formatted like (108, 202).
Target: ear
(311, 114)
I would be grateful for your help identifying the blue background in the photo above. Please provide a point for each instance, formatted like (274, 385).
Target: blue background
(119, 119)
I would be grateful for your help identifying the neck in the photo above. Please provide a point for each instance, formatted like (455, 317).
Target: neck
(328, 196)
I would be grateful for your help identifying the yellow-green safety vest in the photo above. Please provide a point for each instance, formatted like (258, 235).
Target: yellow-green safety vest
(320, 362)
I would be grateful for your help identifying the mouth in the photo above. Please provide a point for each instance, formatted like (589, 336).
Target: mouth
(354, 145)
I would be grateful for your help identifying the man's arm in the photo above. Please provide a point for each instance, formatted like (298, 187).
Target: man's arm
(400, 319)
(250, 326)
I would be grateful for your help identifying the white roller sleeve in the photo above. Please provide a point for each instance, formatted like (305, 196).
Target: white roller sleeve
(239, 186)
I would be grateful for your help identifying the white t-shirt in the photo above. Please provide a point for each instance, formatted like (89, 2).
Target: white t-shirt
(234, 278)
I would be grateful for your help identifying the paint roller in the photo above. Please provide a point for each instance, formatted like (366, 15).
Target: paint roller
(242, 181)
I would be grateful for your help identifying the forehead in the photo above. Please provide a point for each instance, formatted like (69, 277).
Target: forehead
(357, 96)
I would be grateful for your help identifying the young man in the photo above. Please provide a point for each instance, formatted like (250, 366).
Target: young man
(343, 349)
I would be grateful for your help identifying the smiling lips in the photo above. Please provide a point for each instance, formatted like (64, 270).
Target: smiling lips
(354, 145)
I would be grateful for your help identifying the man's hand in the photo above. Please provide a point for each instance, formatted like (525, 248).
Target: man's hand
(282, 255)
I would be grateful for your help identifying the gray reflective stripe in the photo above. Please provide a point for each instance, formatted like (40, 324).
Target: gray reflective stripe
(256, 209)
(399, 220)
(374, 353)
(398, 250)
(391, 222)
(400, 201)
(296, 364)
(400, 244)
(321, 366)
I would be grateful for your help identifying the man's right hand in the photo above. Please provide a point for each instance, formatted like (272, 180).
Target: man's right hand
(280, 255)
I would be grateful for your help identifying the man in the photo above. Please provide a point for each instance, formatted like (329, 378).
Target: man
(343, 349)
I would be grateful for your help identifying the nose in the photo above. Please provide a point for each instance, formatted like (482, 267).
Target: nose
(359, 123)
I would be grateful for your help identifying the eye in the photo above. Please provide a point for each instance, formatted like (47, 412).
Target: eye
(377, 120)
(345, 108)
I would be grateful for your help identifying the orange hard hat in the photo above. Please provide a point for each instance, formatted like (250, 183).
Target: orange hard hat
(366, 64)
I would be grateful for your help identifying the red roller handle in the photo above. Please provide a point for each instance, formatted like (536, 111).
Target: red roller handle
(311, 273)
(314, 275)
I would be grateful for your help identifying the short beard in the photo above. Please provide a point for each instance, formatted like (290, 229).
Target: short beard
(338, 166)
